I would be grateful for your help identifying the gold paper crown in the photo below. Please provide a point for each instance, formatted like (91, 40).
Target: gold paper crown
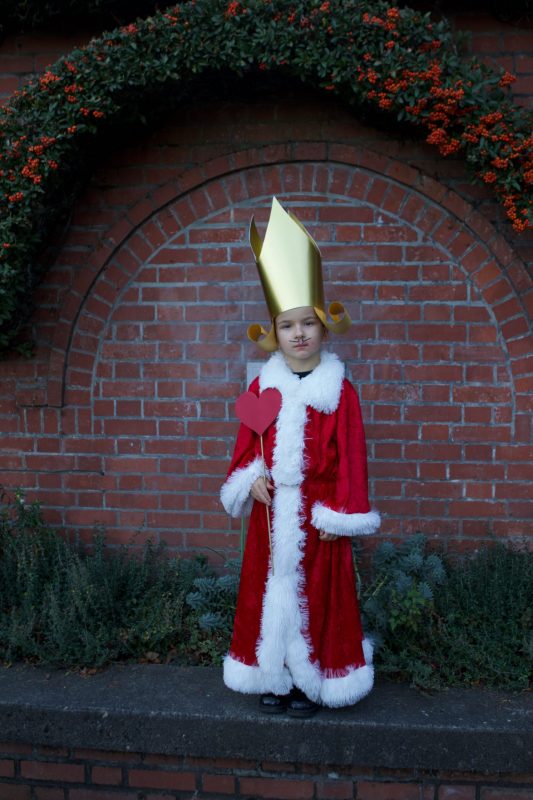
(290, 269)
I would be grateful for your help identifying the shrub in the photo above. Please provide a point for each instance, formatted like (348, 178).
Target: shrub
(64, 607)
(435, 622)
(449, 623)
(482, 625)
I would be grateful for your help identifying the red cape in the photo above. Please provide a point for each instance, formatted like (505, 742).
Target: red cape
(299, 624)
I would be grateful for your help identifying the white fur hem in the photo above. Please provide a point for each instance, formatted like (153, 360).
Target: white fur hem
(350, 688)
(334, 692)
(253, 680)
(325, 519)
(235, 490)
(368, 650)
(345, 691)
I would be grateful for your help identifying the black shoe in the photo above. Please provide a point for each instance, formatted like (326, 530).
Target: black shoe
(300, 705)
(273, 703)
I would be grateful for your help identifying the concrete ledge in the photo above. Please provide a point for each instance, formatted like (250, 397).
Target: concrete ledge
(188, 711)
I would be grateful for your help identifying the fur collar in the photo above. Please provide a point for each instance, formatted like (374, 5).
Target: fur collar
(321, 389)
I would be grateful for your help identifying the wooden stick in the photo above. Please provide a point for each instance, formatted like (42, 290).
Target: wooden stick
(266, 507)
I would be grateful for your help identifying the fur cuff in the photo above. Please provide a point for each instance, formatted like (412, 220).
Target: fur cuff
(236, 489)
(325, 519)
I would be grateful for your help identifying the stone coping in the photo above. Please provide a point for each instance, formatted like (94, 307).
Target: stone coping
(188, 711)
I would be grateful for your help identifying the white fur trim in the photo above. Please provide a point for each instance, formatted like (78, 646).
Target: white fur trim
(284, 623)
(325, 519)
(284, 650)
(321, 389)
(333, 692)
(349, 689)
(368, 650)
(253, 680)
(235, 490)
(282, 642)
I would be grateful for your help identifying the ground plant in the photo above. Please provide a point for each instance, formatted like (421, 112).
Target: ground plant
(396, 60)
(67, 607)
(449, 622)
(435, 621)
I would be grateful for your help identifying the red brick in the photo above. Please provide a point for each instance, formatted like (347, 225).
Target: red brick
(524, 62)
(335, 790)
(222, 784)
(433, 413)
(475, 433)
(436, 393)
(109, 775)
(441, 288)
(91, 517)
(430, 489)
(389, 392)
(126, 427)
(432, 471)
(278, 788)
(471, 314)
(523, 85)
(387, 413)
(8, 84)
(7, 768)
(514, 453)
(520, 472)
(100, 794)
(481, 394)
(220, 763)
(186, 781)
(457, 792)
(10, 791)
(371, 790)
(477, 508)
(437, 333)
(48, 771)
(47, 793)
(45, 751)
(480, 415)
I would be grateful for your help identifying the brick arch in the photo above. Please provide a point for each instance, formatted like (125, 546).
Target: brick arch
(471, 237)
(155, 405)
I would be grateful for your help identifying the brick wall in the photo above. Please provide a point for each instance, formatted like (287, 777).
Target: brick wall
(40, 773)
(125, 416)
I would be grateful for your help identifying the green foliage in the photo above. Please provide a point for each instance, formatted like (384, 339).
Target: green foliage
(213, 599)
(64, 607)
(444, 624)
(482, 627)
(371, 54)
(434, 623)
(400, 596)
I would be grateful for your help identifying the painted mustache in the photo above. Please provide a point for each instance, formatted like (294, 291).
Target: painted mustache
(300, 340)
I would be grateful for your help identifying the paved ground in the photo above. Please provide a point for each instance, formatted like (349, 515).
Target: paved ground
(168, 709)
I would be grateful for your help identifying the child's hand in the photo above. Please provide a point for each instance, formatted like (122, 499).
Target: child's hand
(327, 537)
(260, 489)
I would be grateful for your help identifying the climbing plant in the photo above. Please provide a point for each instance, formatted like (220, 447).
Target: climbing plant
(370, 53)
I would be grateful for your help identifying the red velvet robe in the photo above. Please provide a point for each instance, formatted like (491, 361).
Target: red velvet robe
(298, 624)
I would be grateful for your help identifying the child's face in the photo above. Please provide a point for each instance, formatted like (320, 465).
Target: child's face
(300, 334)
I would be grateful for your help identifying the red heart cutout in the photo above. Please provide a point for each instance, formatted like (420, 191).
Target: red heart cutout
(258, 412)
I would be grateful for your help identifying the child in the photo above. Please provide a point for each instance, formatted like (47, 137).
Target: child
(297, 638)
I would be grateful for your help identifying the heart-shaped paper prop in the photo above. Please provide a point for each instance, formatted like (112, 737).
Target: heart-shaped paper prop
(258, 412)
